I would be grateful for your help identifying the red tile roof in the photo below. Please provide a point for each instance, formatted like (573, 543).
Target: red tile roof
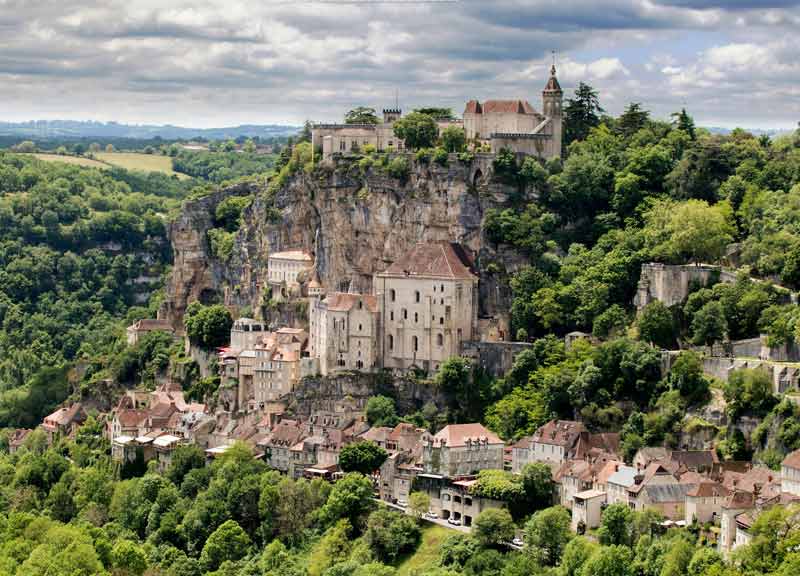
(499, 107)
(460, 434)
(559, 432)
(792, 460)
(434, 260)
(343, 302)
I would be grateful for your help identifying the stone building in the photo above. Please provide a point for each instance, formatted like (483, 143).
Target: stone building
(283, 269)
(790, 474)
(135, 331)
(553, 443)
(64, 422)
(342, 332)
(462, 450)
(427, 303)
(516, 125)
(246, 333)
(344, 138)
(271, 368)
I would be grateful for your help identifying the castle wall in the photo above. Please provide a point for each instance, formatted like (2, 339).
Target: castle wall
(496, 358)
(670, 284)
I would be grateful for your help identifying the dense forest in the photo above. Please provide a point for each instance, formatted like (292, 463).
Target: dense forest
(73, 242)
(65, 513)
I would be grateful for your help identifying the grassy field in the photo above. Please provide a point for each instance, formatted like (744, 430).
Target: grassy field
(71, 160)
(428, 552)
(142, 162)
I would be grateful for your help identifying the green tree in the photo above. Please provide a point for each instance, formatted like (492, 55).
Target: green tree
(350, 498)
(208, 326)
(682, 121)
(390, 534)
(416, 130)
(437, 113)
(576, 553)
(381, 411)
(581, 113)
(611, 560)
(454, 139)
(633, 119)
(228, 542)
(128, 558)
(333, 548)
(419, 503)
(686, 376)
(493, 528)
(361, 115)
(748, 390)
(610, 322)
(615, 525)
(365, 457)
(656, 325)
(547, 534)
(185, 458)
(709, 325)
(537, 484)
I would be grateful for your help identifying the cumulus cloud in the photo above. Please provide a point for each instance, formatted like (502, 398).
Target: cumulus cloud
(213, 62)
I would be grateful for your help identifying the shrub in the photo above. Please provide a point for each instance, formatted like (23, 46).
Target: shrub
(441, 157)
(398, 168)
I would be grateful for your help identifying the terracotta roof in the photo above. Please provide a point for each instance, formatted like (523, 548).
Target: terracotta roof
(459, 434)
(792, 460)
(708, 489)
(344, 302)
(66, 415)
(653, 469)
(499, 107)
(650, 453)
(378, 434)
(130, 418)
(559, 432)
(18, 436)
(756, 478)
(434, 260)
(739, 500)
(298, 255)
(695, 459)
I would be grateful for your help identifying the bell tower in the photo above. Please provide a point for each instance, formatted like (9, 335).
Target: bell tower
(552, 100)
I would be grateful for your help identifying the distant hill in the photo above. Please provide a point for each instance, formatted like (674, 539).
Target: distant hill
(772, 133)
(68, 129)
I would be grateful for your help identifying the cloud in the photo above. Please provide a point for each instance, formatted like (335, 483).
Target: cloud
(212, 62)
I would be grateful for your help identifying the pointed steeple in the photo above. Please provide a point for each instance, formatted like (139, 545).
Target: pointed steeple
(552, 82)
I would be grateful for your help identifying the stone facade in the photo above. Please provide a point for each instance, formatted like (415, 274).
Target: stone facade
(343, 329)
(516, 125)
(427, 305)
(462, 450)
(246, 333)
(283, 269)
(790, 474)
(670, 284)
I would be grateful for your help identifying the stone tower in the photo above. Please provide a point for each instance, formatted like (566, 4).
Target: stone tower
(552, 99)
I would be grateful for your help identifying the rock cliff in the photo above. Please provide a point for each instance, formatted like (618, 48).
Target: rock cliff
(355, 223)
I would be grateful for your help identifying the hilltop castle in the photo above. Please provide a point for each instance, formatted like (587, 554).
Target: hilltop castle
(511, 124)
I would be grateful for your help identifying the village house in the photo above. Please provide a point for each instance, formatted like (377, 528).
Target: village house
(283, 269)
(553, 443)
(462, 450)
(404, 445)
(64, 422)
(457, 502)
(790, 473)
(618, 483)
(246, 333)
(587, 510)
(135, 331)
(427, 303)
(659, 487)
(342, 333)
(276, 444)
(704, 502)
(268, 370)
(349, 138)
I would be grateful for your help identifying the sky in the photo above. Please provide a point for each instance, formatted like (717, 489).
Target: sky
(211, 63)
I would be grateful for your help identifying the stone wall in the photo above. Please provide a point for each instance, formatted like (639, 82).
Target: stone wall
(670, 284)
(785, 378)
(496, 358)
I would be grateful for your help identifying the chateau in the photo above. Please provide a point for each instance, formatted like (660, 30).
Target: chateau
(512, 124)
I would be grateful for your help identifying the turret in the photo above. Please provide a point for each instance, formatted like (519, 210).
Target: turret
(552, 99)
(390, 115)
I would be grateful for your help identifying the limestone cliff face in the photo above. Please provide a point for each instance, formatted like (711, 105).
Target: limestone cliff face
(355, 224)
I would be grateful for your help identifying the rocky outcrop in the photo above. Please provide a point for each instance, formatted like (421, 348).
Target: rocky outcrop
(354, 223)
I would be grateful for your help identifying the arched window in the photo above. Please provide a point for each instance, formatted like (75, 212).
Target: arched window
(405, 314)
(359, 328)
(441, 319)
(442, 287)
(416, 317)
(416, 295)
(360, 305)
(415, 343)
(392, 295)
(439, 340)
(391, 342)
(391, 315)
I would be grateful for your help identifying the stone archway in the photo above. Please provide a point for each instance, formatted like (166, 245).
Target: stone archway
(477, 177)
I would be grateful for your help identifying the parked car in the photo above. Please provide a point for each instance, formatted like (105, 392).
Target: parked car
(431, 515)
(517, 542)
(454, 522)
(402, 503)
